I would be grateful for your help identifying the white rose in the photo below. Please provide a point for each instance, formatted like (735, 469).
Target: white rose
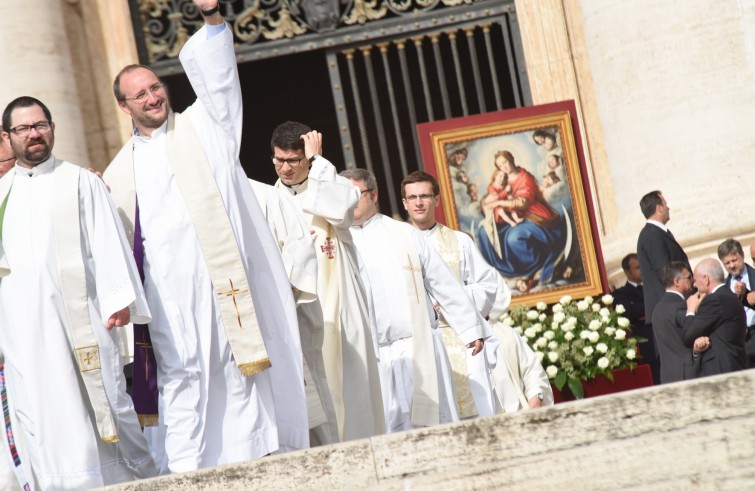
(605, 320)
(588, 300)
(559, 316)
(595, 307)
(552, 345)
(621, 334)
(594, 337)
(587, 350)
(508, 321)
(541, 317)
(530, 332)
(584, 334)
(607, 299)
(569, 336)
(631, 354)
(620, 309)
(582, 305)
(572, 321)
(609, 330)
(623, 322)
(603, 362)
(541, 306)
(594, 325)
(549, 335)
(601, 347)
(552, 356)
(540, 355)
(551, 371)
(538, 327)
(604, 312)
(519, 330)
(558, 308)
(532, 314)
(541, 342)
(565, 300)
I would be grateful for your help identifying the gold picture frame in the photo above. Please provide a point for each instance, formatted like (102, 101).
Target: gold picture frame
(516, 182)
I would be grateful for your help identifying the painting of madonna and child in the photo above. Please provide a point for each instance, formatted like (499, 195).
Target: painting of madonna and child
(515, 181)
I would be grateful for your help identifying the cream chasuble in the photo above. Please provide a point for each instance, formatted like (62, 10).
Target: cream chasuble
(70, 270)
(298, 252)
(400, 271)
(327, 203)
(203, 332)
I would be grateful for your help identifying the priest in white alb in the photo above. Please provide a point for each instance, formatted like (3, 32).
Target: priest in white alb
(401, 273)
(475, 393)
(327, 203)
(297, 247)
(68, 284)
(224, 328)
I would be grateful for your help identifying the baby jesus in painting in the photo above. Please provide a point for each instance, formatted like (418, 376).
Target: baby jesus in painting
(499, 189)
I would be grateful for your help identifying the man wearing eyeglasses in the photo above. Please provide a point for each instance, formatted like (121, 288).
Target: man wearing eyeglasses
(401, 273)
(7, 159)
(224, 333)
(67, 278)
(326, 202)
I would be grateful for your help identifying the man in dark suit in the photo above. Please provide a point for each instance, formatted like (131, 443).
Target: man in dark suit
(716, 312)
(741, 280)
(677, 360)
(656, 246)
(631, 296)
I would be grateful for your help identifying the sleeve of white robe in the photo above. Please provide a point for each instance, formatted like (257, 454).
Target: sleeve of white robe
(329, 195)
(116, 277)
(502, 300)
(479, 278)
(443, 286)
(534, 378)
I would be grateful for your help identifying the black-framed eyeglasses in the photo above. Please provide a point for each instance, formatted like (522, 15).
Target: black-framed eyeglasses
(142, 96)
(293, 162)
(421, 197)
(23, 130)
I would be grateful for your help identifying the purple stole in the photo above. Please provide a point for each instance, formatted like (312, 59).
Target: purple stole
(144, 384)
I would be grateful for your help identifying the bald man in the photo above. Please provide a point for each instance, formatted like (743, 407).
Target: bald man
(716, 312)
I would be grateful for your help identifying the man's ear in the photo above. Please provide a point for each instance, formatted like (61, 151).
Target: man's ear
(124, 107)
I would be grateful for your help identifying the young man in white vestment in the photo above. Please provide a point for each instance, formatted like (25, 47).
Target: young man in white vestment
(224, 331)
(401, 273)
(327, 201)
(67, 279)
(472, 374)
(297, 248)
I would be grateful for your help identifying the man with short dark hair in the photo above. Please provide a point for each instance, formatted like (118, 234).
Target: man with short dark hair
(740, 280)
(67, 278)
(716, 312)
(677, 360)
(326, 202)
(632, 297)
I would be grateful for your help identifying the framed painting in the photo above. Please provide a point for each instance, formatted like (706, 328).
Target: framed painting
(516, 182)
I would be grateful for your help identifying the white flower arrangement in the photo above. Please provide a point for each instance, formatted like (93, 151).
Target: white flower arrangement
(581, 339)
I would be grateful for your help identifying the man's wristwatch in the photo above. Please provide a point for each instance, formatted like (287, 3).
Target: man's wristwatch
(312, 158)
(213, 11)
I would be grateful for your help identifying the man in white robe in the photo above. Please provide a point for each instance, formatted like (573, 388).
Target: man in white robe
(300, 260)
(474, 388)
(327, 201)
(67, 278)
(400, 273)
(7, 159)
(225, 337)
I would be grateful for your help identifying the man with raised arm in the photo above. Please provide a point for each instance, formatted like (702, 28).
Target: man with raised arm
(224, 333)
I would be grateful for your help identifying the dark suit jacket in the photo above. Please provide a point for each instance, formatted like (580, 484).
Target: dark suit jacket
(721, 317)
(633, 299)
(676, 358)
(655, 248)
(750, 271)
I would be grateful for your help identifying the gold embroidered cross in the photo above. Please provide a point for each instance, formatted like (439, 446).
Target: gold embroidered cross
(328, 248)
(412, 269)
(88, 359)
(232, 293)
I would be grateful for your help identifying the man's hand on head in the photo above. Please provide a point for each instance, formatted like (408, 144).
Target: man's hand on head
(312, 144)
